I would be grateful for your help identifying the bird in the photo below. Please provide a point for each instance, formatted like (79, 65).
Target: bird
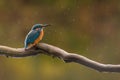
(34, 36)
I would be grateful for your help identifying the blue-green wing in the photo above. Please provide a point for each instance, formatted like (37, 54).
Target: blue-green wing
(31, 37)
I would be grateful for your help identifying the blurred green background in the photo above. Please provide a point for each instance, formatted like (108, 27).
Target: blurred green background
(87, 27)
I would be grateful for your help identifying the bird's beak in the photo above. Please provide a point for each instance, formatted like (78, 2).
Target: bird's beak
(46, 25)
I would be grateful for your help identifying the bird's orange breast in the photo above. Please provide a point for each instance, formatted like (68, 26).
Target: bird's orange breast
(39, 38)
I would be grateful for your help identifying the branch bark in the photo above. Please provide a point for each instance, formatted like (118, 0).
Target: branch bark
(47, 49)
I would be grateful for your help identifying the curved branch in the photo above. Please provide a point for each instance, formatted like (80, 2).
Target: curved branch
(44, 48)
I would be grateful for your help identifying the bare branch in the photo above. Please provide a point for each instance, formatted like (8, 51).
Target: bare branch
(44, 48)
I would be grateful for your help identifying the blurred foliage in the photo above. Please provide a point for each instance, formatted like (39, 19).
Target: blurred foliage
(87, 27)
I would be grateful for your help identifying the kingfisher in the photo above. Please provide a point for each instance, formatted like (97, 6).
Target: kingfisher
(34, 36)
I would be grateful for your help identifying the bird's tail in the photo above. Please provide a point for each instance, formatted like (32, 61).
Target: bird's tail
(29, 46)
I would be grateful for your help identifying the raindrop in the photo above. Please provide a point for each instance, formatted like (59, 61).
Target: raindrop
(60, 33)
(73, 20)
(87, 49)
(68, 9)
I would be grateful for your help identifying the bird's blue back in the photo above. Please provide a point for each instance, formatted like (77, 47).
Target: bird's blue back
(31, 37)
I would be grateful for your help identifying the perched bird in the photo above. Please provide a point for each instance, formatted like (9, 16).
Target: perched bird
(34, 36)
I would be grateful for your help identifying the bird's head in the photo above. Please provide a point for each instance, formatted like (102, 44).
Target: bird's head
(39, 26)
